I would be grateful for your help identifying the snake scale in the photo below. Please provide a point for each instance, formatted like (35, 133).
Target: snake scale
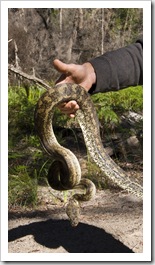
(65, 172)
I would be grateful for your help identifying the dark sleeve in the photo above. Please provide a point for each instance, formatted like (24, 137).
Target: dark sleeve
(119, 69)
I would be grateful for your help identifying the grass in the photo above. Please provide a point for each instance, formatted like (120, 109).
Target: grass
(22, 190)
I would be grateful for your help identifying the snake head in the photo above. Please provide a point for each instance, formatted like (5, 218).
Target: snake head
(73, 211)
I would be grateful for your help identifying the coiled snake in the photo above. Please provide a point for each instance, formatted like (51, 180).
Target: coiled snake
(65, 172)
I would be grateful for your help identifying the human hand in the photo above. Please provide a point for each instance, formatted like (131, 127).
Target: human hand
(83, 75)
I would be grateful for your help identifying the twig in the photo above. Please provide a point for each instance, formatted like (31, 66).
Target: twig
(29, 77)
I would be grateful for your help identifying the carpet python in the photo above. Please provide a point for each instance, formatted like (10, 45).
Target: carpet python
(65, 172)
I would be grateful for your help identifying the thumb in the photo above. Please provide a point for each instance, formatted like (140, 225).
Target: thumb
(60, 66)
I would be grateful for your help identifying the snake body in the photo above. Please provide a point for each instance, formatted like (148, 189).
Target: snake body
(65, 172)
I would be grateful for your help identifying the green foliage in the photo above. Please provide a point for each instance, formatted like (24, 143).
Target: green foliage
(22, 189)
(110, 106)
(23, 179)
(21, 111)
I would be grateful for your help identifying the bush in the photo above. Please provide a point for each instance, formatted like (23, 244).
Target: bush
(112, 105)
(22, 189)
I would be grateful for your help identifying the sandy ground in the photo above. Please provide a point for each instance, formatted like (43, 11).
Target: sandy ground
(110, 223)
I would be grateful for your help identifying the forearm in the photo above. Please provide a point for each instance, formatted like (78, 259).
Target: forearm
(118, 69)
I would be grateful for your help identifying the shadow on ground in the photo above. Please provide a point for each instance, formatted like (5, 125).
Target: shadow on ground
(82, 239)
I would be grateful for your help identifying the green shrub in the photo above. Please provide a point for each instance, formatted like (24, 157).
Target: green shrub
(111, 105)
(21, 111)
(22, 189)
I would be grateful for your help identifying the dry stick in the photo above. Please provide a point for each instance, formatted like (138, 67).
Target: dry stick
(29, 77)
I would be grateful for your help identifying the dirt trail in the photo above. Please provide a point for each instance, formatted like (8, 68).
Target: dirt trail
(111, 223)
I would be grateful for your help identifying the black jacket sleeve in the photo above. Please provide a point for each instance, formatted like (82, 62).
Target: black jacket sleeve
(119, 69)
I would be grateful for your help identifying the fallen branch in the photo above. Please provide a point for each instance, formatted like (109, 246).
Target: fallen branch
(29, 77)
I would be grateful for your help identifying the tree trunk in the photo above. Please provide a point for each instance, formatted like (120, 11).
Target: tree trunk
(60, 22)
(102, 30)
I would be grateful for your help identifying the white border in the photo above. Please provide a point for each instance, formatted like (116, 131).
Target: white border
(75, 4)
(146, 255)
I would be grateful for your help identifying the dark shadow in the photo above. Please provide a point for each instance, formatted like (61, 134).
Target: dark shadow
(81, 239)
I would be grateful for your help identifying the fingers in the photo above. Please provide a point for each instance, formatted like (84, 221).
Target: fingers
(61, 79)
(69, 108)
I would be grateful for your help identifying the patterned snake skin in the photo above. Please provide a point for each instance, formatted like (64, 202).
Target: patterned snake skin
(65, 172)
